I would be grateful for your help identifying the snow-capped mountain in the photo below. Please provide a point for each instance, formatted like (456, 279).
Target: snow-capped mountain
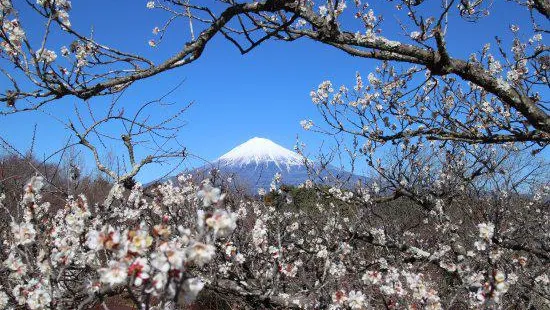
(261, 151)
(254, 163)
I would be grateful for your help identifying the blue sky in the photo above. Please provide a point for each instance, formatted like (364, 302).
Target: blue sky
(264, 93)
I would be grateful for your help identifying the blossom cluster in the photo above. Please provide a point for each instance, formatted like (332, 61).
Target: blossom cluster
(333, 255)
(59, 9)
(133, 244)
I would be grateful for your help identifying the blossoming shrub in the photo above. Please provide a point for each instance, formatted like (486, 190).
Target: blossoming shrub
(144, 248)
(310, 247)
(471, 252)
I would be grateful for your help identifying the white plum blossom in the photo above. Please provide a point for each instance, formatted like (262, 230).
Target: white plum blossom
(372, 277)
(16, 265)
(486, 230)
(222, 222)
(109, 250)
(356, 300)
(139, 241)
(139, 269)
(323, 11)
(240, 258)
(191, 288)
(306, 124)
(46, 56)
(23, 233)
(115, 274)
(39, 298)
(323, 253)
(416, 35)
(209, 194)
(200, 253)
(159, 261)
(4, 299)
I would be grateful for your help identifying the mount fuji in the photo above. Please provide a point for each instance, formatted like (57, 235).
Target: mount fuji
(254, 163)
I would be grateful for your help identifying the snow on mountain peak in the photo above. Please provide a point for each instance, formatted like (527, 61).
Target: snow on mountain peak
(261, 151)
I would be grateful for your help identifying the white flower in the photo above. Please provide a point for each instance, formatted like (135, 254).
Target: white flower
(416, 35)
(323, 11)
(151, 4)
(46, 56)
(192, 288)
(109, 238)
(274, 251)
(341, 7)
(480, 245)
(64, 51)
(39, 298)
(115, 274)
(64, 18)
(140, 270)
(209, 194)
(292, 227)
(356, 300)
(513, 75)
(4, 299)
(290, 270)
(373, 80)
(379, 235)
(23, 233)
(140, 241)
(159, 281)
(300, 23)
(339, 297)
(337, 269)
(160, 262)
(544, 279)
(418, 253)
(94, 240)
(259, 235)
(36, 183)
(323, 253)
(306, 124)
(33, 188)
(486, 230)
(500, 276)
(200, 253)
(175, 258)
(15, 264)
(372, 277)
(222, 222)
(239, 258)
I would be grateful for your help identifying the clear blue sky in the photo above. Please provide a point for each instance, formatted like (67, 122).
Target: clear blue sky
(264, 93)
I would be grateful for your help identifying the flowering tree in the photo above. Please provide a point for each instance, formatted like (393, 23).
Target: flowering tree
(492, 97)
(455, 215)
(145, 249)
(434, 237)
(459, 245)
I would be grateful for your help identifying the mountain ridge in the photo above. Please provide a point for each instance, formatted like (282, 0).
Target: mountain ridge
(254, 163)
